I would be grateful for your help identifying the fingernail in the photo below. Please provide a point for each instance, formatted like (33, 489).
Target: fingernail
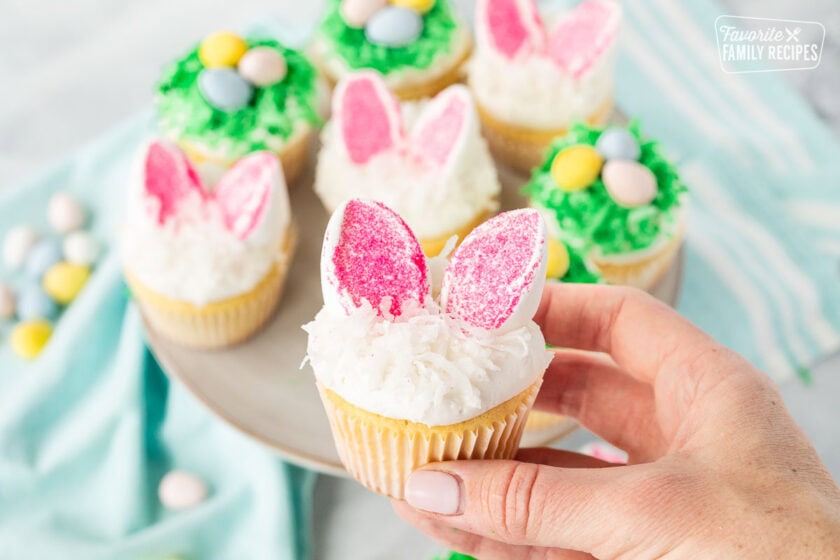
(434, 491)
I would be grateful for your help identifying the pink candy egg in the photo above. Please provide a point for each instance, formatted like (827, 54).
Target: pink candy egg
(356, 13)
(181, 490)
(262, 66)
(629, 183)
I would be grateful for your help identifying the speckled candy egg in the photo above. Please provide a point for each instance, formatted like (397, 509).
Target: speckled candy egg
(356, 13)
(17, 244)
(262, 66)
(34, 303)
(222, 49)
(629, 183)
(421, 6)
(43, 255)
(30, 337)
(181, 490)
(618, 143)
(224, 89)
(64, 281)
(64, 213)
(80, 247)
(394, 26)
(7, 302)
(576, 167)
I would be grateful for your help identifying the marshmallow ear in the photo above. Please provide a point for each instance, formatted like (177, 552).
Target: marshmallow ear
(440, 134)
(170, 178)
(582, 36)
(369, 253)
(367, 116)
(246, 193)
(494, 279)
(511, 27)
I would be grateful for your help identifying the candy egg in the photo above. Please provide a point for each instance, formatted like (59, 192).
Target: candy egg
(558, 259)
(17, 244)
(262, 66)
(221, 49)
(43, 255)
(80, 247)
(421, 6)
(64, 213)
(7, 302)
(29, 338)
(629, 183)
(181, 490)
(576, 167)
(394, 26)
(224, 89)
(356, 13)
(34, 303)
(618, 143)
(64, 281)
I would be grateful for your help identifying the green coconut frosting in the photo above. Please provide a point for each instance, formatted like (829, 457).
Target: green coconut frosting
(268, 120)
(351, 45)
(454, 556)
(590, 218)
(579, 272)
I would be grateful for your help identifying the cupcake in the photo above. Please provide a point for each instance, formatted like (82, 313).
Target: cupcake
(207, 267)
(532, 81)
(425, 160)
(229, 97)
(418, 363)
(613, 198)
(418, 46)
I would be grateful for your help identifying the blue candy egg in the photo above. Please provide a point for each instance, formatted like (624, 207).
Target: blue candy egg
(42, 256)
(224, 88)
(394, 26)
(618, 143)
(34, 303)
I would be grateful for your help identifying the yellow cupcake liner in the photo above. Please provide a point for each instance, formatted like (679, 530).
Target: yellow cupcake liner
(643, 272)
(539, 420)
(433, 246)
(381, 452)
(293, 156)
(523, 148)
(218, 324)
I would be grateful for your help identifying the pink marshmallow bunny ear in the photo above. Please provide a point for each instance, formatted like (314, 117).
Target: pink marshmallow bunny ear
(511, 27)
(494, 279)
(244, 193)
(170, 178)
(369, 253)
(367, 116)
(439, 136)
(580, 38)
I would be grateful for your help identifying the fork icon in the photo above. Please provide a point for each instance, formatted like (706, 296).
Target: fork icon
(793, 34)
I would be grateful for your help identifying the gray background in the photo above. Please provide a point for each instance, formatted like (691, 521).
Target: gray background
(72, 69)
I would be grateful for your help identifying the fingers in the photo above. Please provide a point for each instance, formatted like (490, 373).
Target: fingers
(560, 458)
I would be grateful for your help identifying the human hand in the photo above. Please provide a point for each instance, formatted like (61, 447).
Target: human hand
(717, 467)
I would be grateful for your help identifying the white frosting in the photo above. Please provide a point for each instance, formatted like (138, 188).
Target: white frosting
(423, 366)
(432, 202)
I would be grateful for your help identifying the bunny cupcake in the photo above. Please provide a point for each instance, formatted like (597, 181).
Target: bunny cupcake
(231, 96)
(532, 81)
(419, 46)
(207, 268)
(417, 364)
(426, 161)
(612, 198)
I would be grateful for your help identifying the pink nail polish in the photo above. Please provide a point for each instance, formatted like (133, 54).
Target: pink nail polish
(434, 491)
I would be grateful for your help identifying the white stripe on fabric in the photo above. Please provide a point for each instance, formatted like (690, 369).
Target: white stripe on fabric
(764, 116)
(816, 213)
(829, 247)
(778, 264)
(700, 87)
(766, 339)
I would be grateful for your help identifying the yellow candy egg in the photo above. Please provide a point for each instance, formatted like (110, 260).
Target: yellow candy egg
(64, 281)
(222, 49)
(576, 167)
(558, 259)
(30, 337)
(421, 6)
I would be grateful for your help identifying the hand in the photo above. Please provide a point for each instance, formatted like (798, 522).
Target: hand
(717, 467)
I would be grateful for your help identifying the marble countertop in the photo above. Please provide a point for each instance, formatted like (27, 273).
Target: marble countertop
(69, 77)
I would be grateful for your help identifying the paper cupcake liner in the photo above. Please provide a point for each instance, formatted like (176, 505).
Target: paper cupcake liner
(433, 246)
(522, 148)
(644, 272)
(539, 420)
(218, 324)
(381, 452)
